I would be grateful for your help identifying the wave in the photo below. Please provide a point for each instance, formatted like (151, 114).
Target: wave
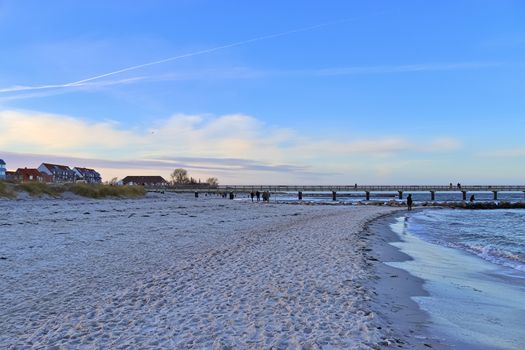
(496, 236)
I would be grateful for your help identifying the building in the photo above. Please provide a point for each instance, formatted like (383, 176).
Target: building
(2, 169)
(90, 176)
(149, 181)
(59, 173)
(29, 175)
(11, 176)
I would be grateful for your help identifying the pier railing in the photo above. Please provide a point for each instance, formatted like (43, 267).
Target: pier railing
(371, 188)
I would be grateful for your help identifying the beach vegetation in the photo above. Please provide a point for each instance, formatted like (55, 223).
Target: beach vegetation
(102, 191)
(37, 189)
(6, 191)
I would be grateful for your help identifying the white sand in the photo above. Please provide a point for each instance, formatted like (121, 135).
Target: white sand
(177, 272)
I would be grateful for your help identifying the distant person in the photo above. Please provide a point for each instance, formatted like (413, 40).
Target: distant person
(252, 195)
(450, 186)
(472, 199)
(459, 185)
(355, 187)
(258, 195)
(409, 201)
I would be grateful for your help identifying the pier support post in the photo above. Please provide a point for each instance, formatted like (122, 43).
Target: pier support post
(367, 195)
(300, 195)
(400, 194)
(464, 195)
(495, 195)
(334, 196)
(432, 195)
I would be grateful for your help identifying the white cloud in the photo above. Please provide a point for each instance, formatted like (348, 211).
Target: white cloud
(233, 145)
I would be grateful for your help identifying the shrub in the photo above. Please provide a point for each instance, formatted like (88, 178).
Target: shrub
(5, 191)
(101, 191)
(39, 189)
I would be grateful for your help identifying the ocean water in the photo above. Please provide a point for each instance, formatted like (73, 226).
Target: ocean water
(472, 264)
(497, 236)
(418, 197)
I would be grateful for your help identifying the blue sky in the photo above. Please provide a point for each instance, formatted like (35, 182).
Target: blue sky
(367, 92)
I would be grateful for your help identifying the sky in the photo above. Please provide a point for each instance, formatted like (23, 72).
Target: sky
(269, 92)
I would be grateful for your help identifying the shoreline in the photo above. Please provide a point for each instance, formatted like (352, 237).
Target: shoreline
(455, 299)
(406, 324)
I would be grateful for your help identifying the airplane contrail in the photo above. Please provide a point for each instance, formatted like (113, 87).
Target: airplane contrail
(191, 54)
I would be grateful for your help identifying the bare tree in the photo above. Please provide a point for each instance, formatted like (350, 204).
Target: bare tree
(179, 176)
(212, 181)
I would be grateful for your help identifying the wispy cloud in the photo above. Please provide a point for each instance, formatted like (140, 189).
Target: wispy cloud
(27, 92)
(407, 68)
(518, 152)
(173, 58)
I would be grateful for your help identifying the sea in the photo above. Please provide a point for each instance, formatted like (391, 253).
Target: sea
(472, 263)
(418, 197)
(497, 236)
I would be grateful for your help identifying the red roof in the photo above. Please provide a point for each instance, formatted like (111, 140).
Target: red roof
(28, 172)
(51, 166)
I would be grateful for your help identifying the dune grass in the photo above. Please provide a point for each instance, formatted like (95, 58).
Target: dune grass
(5, 191)
(101, 191)
(38, 189)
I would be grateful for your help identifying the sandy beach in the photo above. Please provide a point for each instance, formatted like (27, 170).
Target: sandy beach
(175, 271)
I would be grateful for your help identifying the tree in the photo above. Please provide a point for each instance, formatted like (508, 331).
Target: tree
(179, 176)
(212, 181)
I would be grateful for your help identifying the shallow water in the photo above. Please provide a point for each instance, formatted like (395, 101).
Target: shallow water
(494, 235)
(471, 300)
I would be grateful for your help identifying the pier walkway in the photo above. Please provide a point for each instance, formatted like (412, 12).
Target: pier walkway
(365, 189)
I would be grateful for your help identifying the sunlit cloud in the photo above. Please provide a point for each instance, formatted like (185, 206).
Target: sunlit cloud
(231, 145)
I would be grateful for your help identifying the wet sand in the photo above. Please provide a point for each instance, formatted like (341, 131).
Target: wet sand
(471, 303)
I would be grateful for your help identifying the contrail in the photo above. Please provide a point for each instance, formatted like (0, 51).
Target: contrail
(174, 58)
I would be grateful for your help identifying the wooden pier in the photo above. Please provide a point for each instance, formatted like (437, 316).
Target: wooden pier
(366, 190)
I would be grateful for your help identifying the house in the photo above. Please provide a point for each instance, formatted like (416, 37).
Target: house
(11, 176)
(151, 181)
(29, 175)
(59, 173)
(90, 176)
(2, 169)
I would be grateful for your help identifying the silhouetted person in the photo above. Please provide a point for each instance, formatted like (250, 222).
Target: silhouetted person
(409, 201)
(459, 185)
(472, 199)
(258, 195)
(252, 195)
(450, 186)
(355, 187)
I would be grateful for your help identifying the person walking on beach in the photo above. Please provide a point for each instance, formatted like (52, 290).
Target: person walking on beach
(409, 201)
(252, 195)
(258, 195)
